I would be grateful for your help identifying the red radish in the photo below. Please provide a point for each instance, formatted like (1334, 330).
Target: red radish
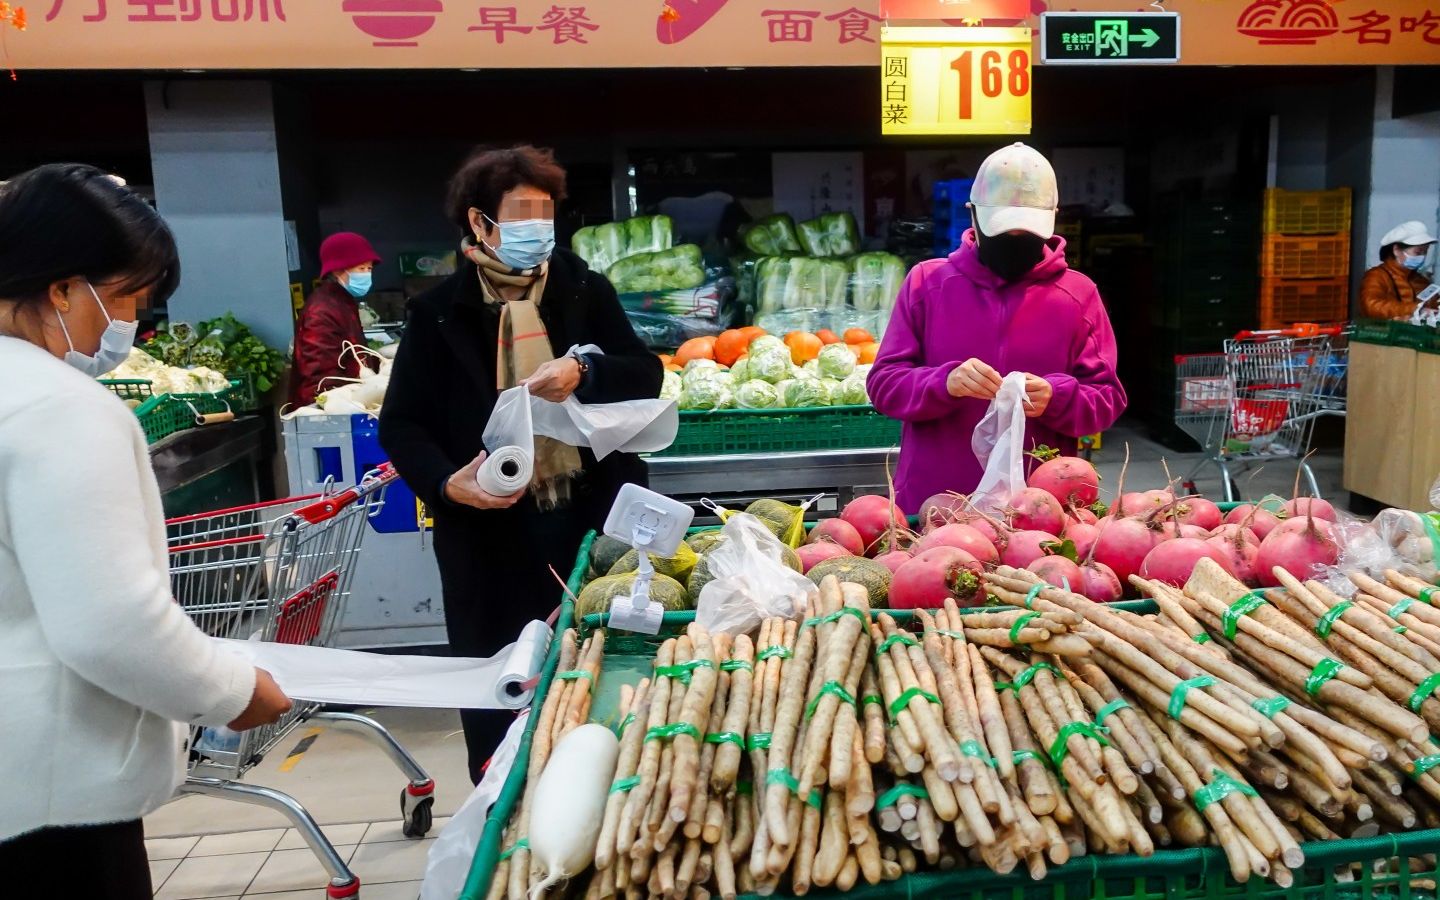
(873, 516)
(986, 527)
(1135, 503)
(1032, 509)
(1173, 561)
(1239, 553)
(838, 531)
(1123, 545)
(1084, 515)
(1312, 506)
(1057, 570)
(1199, 512)
(936, 575)
(810, 554)
(1069, 479)
(1262, 522)
(1098, 583)
(894, 559)
(1170, 530)
(941, 509)
(962, 536)
(1083, 537)
(1023, 547)
(1231, 530)
(1297, 552)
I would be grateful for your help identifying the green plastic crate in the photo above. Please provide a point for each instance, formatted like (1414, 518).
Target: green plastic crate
(161, 416)
(1397, 334)
(735, 431)
(130, 388)
(207, 404)
(242, 395)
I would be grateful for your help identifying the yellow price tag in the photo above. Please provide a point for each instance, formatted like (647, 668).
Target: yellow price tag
(955, 80)
(422, 520)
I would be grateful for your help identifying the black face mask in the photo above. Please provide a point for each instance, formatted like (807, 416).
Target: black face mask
(1010, 256)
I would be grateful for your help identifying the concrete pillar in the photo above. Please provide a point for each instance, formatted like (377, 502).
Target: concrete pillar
(217, 182)
(1404, 174)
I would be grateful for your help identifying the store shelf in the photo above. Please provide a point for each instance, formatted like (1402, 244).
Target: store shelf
(1307, 212)
(1284, 301)
(1319, 256)
(738, 431)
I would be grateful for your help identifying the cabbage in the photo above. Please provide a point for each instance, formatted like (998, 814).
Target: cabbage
(704, 394)
(726, 380)
(740, 372)
(699, 370)
(851, 392)
(806, 392)
(671, 386)
(764, 341)
(811, 369)
(727, 399)
(757, 395)
(771, 364)
(831, 386)
(694, 364)
(836, 361)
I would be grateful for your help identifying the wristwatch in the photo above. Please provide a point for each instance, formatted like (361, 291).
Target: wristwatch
(582, 362)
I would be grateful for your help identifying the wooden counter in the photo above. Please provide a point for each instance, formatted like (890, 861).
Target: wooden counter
(1392, 424)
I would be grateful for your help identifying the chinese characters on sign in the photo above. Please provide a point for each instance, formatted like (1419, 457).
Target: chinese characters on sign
(1307, 22)
(565, 24)
(1078, 38)
(955, 81)
(181, 10)
(797, 26)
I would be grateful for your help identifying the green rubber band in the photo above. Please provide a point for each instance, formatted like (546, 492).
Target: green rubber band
(624, 784)
(898, 637)
(760, 740)
(1427, 595)
(1060, 749)
(973, 750)
(956, 635)
(726, 737)
(1221, 787)
(1028, 675)
(736, 665)
(1005, 686)
(1423, 765)
(1398, 610)
(1020, 756)
(834, 689)
(1272, 707)
(1110, 709)
(783, 777)
(626, 722)
(522, 844)
(901, 789)
(681, 671)
(1431, 521)
(744, 787)
(1327, 621)
(671, 731)
(1247, 604)
(835, 617)
(1401, 629)
(1201, 638)
(1426, 688)
(904, 699)
(1034, 592)
(573, 674)
(1177, 696)
(872, 698)
(775, 650)
(1020, 625)
(1324, 670)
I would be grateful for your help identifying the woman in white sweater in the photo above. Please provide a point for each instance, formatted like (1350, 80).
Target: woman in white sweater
(97, 663)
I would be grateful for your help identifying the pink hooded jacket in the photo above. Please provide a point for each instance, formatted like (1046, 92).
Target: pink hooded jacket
(1051, 323)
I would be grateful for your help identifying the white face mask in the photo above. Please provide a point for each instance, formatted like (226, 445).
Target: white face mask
(115, 343)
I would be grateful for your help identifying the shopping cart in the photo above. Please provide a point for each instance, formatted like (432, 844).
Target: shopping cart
(1259, 400)
(280, 572)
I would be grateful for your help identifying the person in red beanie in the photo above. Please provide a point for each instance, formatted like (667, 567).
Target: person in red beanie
(330, 319)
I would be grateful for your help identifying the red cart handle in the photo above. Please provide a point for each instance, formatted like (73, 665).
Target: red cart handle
(1299, 329)
(327, 508)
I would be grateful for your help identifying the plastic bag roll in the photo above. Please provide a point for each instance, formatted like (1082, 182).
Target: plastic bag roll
(522, 663)
(506, 471)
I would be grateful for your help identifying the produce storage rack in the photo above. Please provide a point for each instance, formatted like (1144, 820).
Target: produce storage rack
(162, 415)
(782, 430)
(1390, 866)
(1305, 257)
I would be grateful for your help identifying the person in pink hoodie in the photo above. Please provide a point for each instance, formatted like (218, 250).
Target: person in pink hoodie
(1005, 301)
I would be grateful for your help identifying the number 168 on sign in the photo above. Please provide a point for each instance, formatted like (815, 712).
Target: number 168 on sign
(955, 81)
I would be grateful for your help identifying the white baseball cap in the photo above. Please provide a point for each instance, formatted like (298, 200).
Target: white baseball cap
(1015, 190)
(1411, 234)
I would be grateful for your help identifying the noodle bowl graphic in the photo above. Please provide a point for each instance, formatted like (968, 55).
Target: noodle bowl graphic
(1288, 21)
(394, 23)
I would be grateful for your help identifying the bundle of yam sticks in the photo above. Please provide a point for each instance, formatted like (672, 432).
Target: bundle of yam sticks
(843, 747)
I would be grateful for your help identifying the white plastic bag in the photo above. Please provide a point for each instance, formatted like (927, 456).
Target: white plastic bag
(510, 439)
(750, 580)
(1396, 539)
(999, 444)
(630, 426)
(448, 864)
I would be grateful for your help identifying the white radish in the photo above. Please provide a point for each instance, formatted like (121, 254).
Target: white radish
(569, 804)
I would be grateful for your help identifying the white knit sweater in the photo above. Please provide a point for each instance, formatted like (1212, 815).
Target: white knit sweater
(97, 663)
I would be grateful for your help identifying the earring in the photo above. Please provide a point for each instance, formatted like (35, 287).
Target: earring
(64, 306)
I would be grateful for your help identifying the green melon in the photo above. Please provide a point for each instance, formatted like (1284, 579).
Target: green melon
(703, 542)
(598, 594)
(677, 567)
(700, 575)
(784, 521)
(605, 552)
(867, 573)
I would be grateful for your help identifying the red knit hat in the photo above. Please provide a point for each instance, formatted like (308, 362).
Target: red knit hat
(345, 250)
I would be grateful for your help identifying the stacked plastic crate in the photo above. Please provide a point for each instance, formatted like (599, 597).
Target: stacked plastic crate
(951, 215)
(1305, 257)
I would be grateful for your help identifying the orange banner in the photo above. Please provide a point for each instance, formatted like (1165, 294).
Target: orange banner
(497, 34)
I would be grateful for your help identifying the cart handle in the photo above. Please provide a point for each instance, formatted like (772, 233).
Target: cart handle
(1299, 329)
(327, 508)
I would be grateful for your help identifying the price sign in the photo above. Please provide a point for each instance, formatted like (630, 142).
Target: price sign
(955, 81)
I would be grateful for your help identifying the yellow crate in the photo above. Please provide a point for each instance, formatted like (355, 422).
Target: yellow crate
(1307, 212)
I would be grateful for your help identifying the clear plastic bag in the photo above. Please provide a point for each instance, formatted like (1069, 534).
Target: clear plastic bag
(509, 438)
(1435, 494)
(999, 445)
(1399, 539)
(751, 581)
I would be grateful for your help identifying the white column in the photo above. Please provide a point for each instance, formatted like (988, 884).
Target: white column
(217, 182)
(1404, 169)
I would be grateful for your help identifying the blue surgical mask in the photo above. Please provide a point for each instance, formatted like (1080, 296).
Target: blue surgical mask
(358, 284)
(1413, 262)
(115, 343)
(525, 244)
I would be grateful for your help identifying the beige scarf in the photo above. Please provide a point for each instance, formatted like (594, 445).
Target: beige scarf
(523, 347)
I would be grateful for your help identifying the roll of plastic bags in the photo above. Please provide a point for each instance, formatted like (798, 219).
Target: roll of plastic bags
(506, 471)
(511, 432)
(522, 663)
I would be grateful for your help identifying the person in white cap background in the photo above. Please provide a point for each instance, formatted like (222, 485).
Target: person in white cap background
(1388, 290)
(1004, 301)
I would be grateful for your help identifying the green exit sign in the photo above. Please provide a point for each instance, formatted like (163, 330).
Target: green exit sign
(1098, 39)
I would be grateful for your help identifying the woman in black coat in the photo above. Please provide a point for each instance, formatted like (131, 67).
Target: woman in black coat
(496, 553)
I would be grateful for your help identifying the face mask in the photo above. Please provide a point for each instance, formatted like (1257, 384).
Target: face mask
(1413, 262)
(358, 284)
(1010, 255)
(115, 343)
(524, 244)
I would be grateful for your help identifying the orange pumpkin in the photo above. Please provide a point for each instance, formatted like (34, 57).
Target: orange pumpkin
(827, 336)
(665, 358)
(858, 336)
(751, 332)
(868, 351)
(730, 345)
(803, 346)
(696, 348)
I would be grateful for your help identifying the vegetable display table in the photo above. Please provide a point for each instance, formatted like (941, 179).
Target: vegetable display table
(1391, 454)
